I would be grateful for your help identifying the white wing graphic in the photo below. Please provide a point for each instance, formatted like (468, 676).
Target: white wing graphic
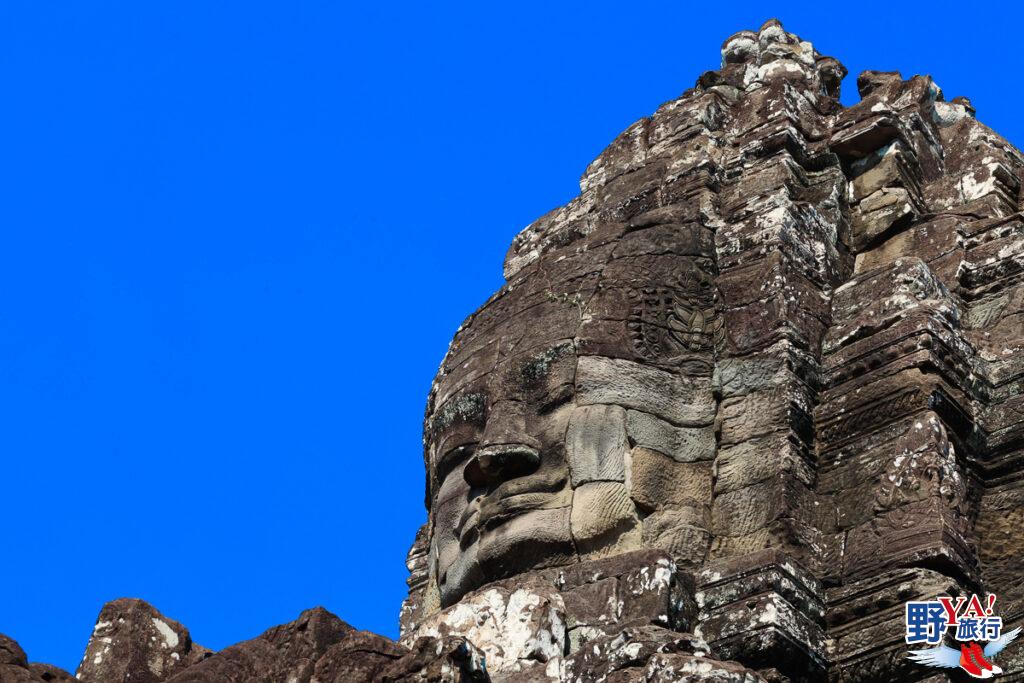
(996, 646)
(941, 656)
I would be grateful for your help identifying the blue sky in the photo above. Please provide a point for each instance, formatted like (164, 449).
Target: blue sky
(238, 236)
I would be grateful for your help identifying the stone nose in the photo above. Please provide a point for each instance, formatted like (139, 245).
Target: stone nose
(497, 463)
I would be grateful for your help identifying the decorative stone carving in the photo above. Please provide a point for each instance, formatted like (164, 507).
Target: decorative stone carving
(683, 315)
(760, 383)
(785, 299)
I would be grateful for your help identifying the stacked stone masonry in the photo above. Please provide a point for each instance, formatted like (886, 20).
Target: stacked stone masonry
(758, 385)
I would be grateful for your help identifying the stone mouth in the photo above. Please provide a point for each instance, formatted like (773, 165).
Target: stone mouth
(489, 512)
(501, 463)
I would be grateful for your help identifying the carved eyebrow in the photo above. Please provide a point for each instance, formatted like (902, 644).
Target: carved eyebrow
(537, 366)
(468, 408)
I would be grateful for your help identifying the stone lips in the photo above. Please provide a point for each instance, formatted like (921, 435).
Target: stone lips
(752, 390)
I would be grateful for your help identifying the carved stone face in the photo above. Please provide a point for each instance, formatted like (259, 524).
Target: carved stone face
(806, 310)
(572, 416)
(500, 479)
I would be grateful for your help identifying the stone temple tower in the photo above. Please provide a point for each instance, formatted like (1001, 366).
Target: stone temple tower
(759, 385)
(759, 382)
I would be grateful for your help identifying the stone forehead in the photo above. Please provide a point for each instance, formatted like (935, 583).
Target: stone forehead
(485, 378)
(549, 303)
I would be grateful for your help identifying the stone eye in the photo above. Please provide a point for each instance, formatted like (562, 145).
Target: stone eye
(452, 458)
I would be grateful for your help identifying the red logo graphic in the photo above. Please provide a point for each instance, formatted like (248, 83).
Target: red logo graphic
(932, 621)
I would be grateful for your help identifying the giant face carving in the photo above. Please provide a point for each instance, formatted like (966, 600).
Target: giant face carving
(805, 295)
(572, 417)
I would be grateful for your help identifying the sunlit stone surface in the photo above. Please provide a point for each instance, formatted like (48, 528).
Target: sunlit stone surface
(753, 389)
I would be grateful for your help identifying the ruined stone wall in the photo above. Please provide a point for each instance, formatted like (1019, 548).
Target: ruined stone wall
(854, 277)
(758, 385)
